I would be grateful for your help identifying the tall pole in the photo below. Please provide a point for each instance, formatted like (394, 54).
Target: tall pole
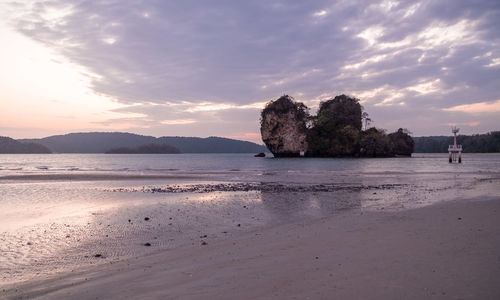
(455, 130)
(454, 149)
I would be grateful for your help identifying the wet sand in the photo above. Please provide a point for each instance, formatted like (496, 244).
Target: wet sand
(444, 251)
(250, 234)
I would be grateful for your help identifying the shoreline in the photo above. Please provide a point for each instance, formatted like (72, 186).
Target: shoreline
(446, 250)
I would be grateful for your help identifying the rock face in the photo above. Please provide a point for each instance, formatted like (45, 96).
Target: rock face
(288, 130)
(283, 127)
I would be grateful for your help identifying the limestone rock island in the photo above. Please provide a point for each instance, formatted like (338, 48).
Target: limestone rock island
(283, 127)
(289, 130)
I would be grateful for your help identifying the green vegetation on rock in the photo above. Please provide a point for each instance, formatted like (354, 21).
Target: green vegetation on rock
(402, 142)
(335, 129)
(375, 143)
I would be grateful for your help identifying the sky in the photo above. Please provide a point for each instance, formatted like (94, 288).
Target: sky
(207, 68)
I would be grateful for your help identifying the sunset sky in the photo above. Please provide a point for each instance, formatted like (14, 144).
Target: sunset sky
(206, 68)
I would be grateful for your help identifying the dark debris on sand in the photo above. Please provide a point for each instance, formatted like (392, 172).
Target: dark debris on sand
(250, 186)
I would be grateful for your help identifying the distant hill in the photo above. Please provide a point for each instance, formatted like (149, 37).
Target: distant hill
(101, 142)
(146, 149)
(211, 145)
(8, 145)
(477, 143)
(91, 142)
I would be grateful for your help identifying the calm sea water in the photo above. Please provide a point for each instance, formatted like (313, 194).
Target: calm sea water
(158, 163)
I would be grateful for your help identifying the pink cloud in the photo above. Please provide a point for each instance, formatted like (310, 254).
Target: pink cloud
(251, 136)
(480, 107)
(470, 124)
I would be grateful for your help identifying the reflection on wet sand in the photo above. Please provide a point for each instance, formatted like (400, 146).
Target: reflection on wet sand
(289, 207)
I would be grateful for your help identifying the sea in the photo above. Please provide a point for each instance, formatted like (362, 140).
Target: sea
(60, 212)
(157, 163)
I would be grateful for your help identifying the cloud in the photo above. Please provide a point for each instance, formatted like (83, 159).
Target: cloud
(480, 107)
(470, 124)
(178, 122)
(249, 136)
(182, 61)
(320, 13)
(207, 106)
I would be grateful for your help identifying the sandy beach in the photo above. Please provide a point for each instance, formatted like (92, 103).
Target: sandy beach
(444, 251)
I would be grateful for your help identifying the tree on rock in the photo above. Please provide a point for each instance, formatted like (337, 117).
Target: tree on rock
(341, 111)
(375, 143)
(336, 127)
(402, 142)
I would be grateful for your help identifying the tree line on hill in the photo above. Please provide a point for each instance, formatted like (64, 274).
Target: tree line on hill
(145, 149)
(477, 143)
